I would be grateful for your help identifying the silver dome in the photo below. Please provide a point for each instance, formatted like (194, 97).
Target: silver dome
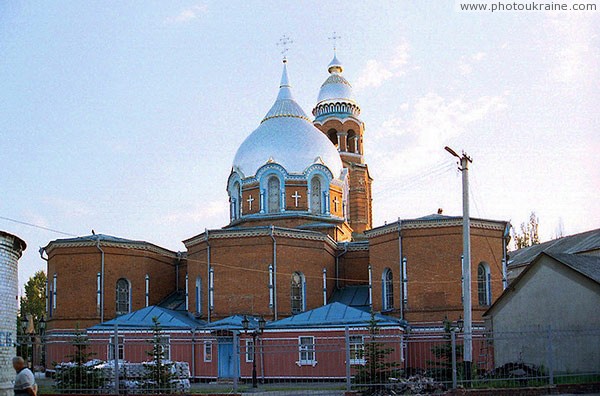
(287, 137)
(336, 88)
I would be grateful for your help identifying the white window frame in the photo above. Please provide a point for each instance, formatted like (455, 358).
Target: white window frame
(111, 348)
(165, 343)
(208, 345)
(198, 298)
(361, 348)
(302, 294)
(249, 351)
(386, 290)
(309, 349)
(117, 312)
(487, 285)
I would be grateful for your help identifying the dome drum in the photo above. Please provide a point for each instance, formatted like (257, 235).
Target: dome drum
(276, 193)
(333, 108)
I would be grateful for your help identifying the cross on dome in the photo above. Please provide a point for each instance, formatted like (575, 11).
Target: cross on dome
(334, 38)
(284, 42)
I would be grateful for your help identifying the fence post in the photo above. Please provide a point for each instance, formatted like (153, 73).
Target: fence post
(550, 356)
(453, 342)
(347, 342)
(236, 362)
(116, 358)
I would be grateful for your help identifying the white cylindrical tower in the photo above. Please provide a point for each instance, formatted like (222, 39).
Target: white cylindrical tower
(11, 248)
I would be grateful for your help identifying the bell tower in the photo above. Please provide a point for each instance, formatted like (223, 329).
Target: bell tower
(337, 116)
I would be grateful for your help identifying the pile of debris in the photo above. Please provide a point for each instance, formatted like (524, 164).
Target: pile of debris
(414, 385)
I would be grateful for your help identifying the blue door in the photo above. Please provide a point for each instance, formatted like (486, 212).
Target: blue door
(226, 360)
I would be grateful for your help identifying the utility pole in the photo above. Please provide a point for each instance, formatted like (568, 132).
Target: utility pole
(466, 264)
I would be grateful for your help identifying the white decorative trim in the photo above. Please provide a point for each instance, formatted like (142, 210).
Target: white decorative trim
(437, 223)
(142, 246)
(262, 231)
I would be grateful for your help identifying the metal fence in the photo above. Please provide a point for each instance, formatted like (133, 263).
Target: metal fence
(318, 363)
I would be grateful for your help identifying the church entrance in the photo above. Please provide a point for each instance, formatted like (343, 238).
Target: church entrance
(226, 358)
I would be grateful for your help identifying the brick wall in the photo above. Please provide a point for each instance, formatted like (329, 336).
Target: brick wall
(434, 270)
(76, 271)
(247, 291)
(11, 248)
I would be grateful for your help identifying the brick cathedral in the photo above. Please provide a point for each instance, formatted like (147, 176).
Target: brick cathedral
(300, 236)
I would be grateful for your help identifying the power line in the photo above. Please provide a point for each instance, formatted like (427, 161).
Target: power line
(37, 226)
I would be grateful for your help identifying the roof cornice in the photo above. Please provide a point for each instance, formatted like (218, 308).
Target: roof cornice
(436, 223)
(135, 245)
(252, 232)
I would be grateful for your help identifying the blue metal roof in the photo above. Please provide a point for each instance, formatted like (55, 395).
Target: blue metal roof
(334, 315)
(232, 323)
(353, 296)
(142, 319)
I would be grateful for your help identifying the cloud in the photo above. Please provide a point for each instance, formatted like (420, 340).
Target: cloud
(424, 127)
(377, 72)
(199, 213)
(69, 208)
(571, 48)
(188, 15)
(465, 63)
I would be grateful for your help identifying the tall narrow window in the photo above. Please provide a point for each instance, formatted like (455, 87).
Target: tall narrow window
(274, 195)
(484, 295)
(208, 351)
(236, 198)
(147, 287)
(297, 292)
(123, 297)
(388, 289)
(315, 195)
(199, 296)
(54, 291)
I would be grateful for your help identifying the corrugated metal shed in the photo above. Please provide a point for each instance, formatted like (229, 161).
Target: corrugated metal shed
(574, 244)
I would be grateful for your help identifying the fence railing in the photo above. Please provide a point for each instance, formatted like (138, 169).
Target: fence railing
(325, 362)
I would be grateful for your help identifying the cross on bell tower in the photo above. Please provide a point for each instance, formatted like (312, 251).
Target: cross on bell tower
(337, 115)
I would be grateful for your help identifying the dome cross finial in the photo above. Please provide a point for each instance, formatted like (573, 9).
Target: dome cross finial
(284, 42)
(334, 38)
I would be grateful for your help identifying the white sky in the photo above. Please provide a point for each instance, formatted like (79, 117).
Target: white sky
(124, 117)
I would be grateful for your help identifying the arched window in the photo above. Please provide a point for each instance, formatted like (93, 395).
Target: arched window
(298, 292)
(235, 197)
(332, 135)
(387, 280)
(123, 297)
(199, 295)
(238, 199)
(315, 195)
(484, 284)
(274, 195)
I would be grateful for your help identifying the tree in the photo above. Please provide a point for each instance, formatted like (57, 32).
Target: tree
(528, 235)
(159, 376)
(80, 374)
(34, 301)
(441, 368)
(377, 368)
